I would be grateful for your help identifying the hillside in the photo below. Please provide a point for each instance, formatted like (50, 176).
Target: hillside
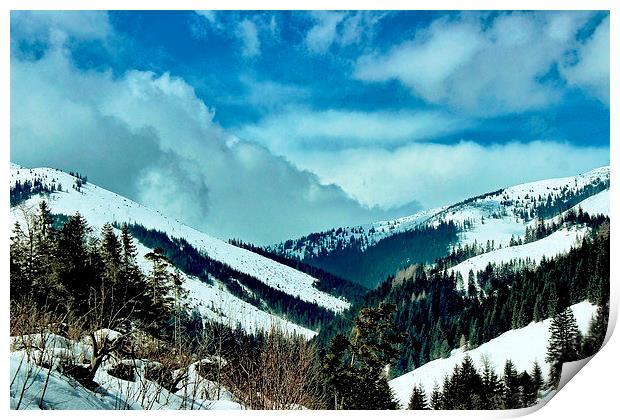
(100, 206)
(495, 216)
(557, 243)
(523, 346)
(489, 220)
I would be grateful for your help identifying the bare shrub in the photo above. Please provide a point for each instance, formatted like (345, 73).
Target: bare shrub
(281, 375)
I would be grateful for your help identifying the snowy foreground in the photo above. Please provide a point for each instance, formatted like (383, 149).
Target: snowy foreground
(34, 387)
(523, 346)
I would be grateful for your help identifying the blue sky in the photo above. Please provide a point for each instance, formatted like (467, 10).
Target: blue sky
(272, 124)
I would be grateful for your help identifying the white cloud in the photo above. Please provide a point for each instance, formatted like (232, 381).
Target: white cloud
(248, 34)
(479, 68)
(151, 138)
(269, 94)
(438, 174)
(341, 28)
(210, 15)
(321, 36)
(46, 24)
(591, 72)
(338, 129)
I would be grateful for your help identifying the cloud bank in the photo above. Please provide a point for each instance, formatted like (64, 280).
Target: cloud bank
(492, 67)
(149, 137)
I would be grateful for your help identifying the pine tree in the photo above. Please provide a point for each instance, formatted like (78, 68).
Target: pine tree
(491, 395)
(511, 386)
(537, 378)
(563, 343)
(436, 398)
(418, 399)
(593, 341)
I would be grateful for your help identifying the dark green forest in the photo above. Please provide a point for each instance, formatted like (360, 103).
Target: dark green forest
(327, 282)
(372, 265)
(194, 262)
(435, 317)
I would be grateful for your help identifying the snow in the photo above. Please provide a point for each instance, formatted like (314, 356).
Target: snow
(100, 206)
(492, 218)
(557, 243)
(597, 204)
(215, 302)
(36, 387)
(522, 346)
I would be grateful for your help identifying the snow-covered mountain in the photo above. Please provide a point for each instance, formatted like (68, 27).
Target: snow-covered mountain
(522, 346)
(100, 206)
(496, 216)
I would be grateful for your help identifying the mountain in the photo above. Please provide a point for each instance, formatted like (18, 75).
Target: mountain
(485, 275)
(517, 283)
(366, 254)
(67, 194)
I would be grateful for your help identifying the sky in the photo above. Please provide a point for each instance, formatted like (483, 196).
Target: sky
(269, 125)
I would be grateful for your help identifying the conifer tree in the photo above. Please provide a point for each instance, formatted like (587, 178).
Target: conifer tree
(363, 360)
(593, 341)
(511, 386)
(468, 385)
(563, 343)
(527, 390)
(111, 255)
(436, 398)
(537, 377)
(71, 265)
(158, 289)
(43, 243)
(491, 395)
(418, 399)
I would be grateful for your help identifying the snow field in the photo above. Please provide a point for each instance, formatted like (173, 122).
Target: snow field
(522, 346)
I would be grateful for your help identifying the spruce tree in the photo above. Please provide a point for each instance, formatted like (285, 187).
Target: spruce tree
(418, 399)
(593, 341)
(436, 398)
(537, 377)
(491, 395)
(563, 343)
(355, 368)
(468, 388)
(71, 267)
(44, 241)
(528, 390)
(511, 386)
(20, 281)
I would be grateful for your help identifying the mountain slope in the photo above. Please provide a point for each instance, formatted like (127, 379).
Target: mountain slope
(522, 346)
(557, 243)
(494, 218)
(100, 206)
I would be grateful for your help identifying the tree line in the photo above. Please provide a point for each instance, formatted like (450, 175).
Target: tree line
(70, 270)
(435, 316)
(197, 263)
(326, 282)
